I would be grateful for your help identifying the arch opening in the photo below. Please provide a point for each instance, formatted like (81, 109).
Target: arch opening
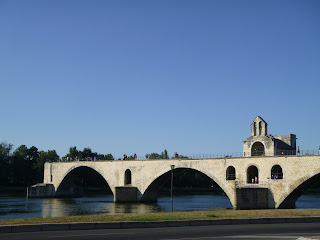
(252, 175)
(127, 177)
(189, 184)
(260, 129)
(83, 181)
(306, 194)
(257, 149)
(231, 173)
(276, 172)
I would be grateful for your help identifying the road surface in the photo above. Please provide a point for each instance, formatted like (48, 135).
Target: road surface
(301, 231)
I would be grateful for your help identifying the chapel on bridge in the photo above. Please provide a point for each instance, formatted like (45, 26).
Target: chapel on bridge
(260, 143)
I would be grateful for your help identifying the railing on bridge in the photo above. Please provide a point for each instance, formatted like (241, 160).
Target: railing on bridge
(282, 152)
(248, 154)
(200, 156)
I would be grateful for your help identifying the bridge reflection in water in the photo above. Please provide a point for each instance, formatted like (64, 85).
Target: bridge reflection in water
(17, 206)
(59, 207)
(94, 205)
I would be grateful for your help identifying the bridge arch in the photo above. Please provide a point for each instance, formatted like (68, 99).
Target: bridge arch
(297, 189)
(252, 174)
(152, 190)
(76, 178)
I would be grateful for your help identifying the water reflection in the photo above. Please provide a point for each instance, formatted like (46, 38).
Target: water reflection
(308, 201)
(19, 207)
(58, 207)
(121, 208)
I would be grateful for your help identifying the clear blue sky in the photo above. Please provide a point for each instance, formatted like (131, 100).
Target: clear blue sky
(144, 76)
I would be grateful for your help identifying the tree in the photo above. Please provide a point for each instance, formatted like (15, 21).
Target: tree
(100, 156)
(18, 166)
(154, 156)
(164, 154)
(23, 167)
(87, 152)
(31, 158)
(5, 158)
(73, 152)
(108, 157)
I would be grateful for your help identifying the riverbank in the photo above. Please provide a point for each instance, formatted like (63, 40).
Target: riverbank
(176, 216)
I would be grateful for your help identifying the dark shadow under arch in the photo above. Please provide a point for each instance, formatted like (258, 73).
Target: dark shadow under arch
(152, 192)
(81, 180)
(290, 200)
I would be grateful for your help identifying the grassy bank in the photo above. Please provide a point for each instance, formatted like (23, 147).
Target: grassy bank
(214, 214)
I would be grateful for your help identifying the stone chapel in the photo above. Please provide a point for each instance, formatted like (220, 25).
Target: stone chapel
(260, 143)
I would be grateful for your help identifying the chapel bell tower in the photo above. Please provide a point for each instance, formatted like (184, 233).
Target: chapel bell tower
(259, 127)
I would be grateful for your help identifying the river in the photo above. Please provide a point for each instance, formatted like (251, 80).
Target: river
(14, 204)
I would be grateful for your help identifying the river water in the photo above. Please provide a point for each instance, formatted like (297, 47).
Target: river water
(16, 205)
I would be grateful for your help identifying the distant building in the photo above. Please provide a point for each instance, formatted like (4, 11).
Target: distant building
(260, 143)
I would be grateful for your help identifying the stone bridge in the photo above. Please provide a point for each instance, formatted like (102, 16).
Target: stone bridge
(249, 182)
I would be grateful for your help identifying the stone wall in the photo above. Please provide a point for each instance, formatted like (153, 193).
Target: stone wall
(145, 173)
(41, 190)
(252, 198)
(126, 194)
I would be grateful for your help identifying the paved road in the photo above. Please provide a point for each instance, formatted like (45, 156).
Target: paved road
(301, 231)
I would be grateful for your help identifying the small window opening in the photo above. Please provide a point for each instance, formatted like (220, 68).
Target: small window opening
(127, 177)
(276, 172)
(231, 173)
(260, 128)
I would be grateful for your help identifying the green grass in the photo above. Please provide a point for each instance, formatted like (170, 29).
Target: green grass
(213, 214)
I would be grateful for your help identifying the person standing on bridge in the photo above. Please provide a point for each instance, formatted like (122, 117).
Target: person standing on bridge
(135, 156)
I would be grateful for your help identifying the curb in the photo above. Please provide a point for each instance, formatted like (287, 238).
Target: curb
(151, 224)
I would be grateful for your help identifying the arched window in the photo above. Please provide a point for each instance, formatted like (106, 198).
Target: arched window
(276, 172)
(252, 175)
(231, 173)
(254, 129)
(257, 149)
(127, 177)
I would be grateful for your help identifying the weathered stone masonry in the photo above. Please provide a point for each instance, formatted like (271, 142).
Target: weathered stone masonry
(251, 182)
